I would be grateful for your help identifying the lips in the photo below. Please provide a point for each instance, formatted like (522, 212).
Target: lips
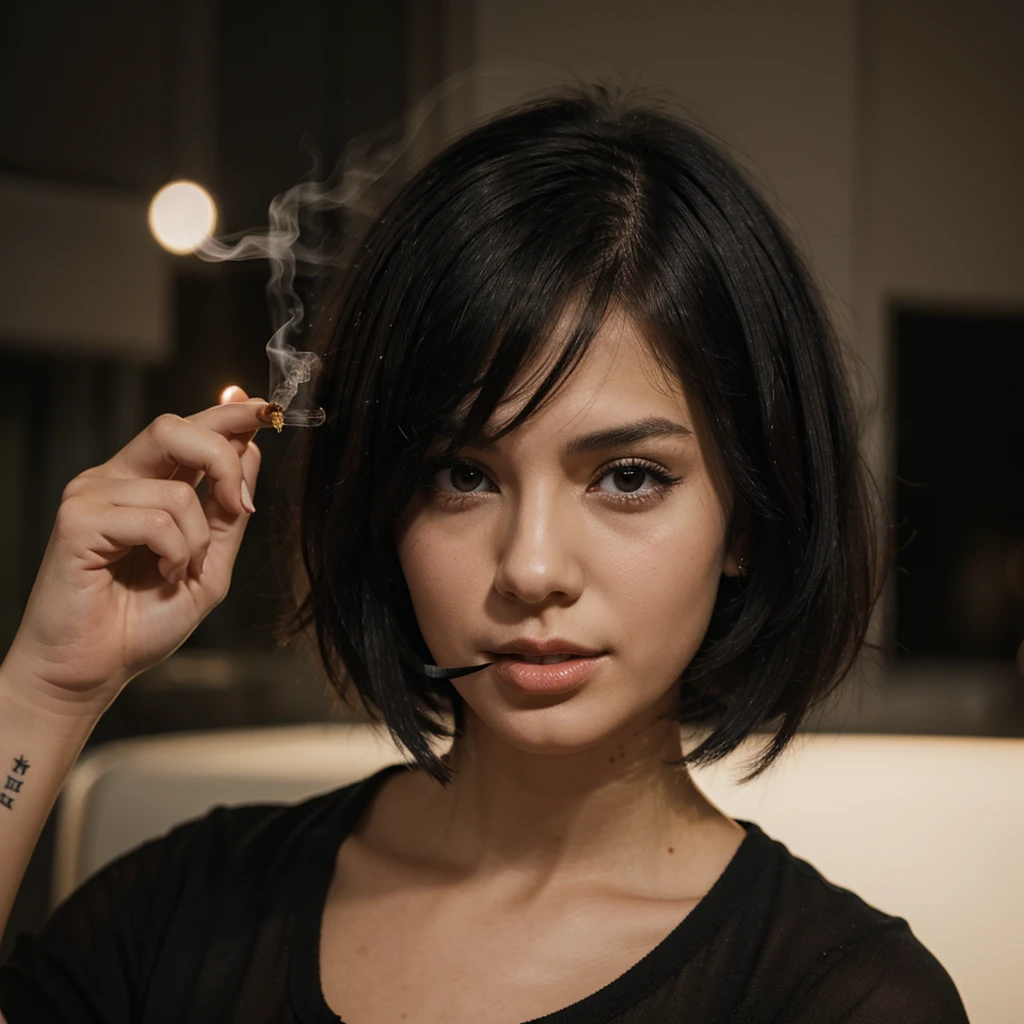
(545, 659)
(535, 648)
(562, 677)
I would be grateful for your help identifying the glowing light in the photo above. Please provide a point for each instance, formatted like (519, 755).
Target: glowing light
(227, 394)
(181, 216)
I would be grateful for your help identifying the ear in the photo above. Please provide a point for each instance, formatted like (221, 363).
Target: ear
(738, 549)
(730, 565)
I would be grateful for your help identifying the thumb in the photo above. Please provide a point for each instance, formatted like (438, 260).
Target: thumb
(232, 393)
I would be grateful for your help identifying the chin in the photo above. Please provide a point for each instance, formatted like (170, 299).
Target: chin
(554, 726)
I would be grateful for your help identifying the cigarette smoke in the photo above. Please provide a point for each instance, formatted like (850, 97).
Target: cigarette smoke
(368, 163)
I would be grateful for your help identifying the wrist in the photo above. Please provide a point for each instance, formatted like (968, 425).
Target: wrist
(31, 702)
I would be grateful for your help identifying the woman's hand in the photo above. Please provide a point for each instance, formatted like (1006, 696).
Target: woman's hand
(136, 560)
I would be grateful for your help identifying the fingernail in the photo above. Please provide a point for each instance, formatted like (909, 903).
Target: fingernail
(247, 499)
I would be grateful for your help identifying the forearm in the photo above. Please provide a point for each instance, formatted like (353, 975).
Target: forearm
(40, 740)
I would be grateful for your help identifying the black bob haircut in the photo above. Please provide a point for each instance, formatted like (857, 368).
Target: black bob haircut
(579, 201)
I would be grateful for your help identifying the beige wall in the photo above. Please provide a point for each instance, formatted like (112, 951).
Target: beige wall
(940, 214)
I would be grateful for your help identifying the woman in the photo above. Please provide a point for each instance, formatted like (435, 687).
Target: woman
(583, 406)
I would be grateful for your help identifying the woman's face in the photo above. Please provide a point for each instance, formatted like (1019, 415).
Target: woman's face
(530, 539)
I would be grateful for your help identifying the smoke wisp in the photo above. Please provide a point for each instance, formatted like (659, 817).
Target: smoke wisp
(368, 163)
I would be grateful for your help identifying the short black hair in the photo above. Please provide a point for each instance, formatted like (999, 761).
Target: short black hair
(581, 200)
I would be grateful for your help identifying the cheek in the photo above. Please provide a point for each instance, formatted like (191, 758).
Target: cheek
(442, 576)
(663, 586)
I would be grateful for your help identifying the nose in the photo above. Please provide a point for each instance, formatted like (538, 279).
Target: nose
(540, 547)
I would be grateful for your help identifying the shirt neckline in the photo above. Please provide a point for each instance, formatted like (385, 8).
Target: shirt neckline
(643, 978)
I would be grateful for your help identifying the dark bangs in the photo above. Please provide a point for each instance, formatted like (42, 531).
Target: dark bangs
(577, 203)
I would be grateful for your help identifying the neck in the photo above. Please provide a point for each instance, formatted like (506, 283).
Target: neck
(610, 813)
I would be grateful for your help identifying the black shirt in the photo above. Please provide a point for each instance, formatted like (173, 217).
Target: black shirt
(218, 922)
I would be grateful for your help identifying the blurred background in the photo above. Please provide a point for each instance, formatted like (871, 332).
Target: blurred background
(888, 136)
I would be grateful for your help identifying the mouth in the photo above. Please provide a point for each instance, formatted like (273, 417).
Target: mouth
(547, 674)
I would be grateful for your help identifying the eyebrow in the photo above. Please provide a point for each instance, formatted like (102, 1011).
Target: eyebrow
(612, 437)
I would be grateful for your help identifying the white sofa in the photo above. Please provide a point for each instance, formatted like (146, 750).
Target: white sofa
(929, 828)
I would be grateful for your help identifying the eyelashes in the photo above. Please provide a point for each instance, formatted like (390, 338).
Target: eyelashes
(630, 499)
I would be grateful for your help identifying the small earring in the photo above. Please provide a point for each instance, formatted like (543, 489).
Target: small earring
(741, 567)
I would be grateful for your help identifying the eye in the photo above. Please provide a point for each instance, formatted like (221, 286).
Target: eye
(629, 474)
(464, 476)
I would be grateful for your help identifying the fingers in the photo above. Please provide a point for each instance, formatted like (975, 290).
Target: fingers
(113, 530)
(201, 443)
(237, 394)
(226, 531)
(238, 441)
(178, 500)
(188, 536)
(156, 473)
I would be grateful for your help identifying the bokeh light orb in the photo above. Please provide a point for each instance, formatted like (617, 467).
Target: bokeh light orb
(181, 216)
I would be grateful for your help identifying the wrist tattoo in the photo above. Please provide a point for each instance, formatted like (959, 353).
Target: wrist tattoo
(13, 783)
